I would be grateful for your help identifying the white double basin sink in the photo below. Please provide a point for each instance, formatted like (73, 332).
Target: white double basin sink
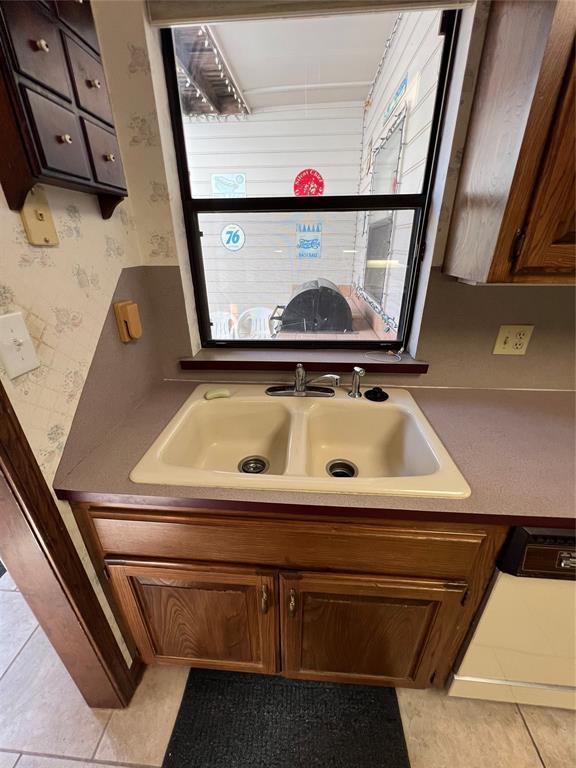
(328, 445)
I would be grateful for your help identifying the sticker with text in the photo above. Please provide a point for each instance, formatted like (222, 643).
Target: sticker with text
(309, 241)
(309, 183)
(232, 237)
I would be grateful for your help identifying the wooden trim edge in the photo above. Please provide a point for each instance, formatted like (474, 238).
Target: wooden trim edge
(42, 559)
(247, 360)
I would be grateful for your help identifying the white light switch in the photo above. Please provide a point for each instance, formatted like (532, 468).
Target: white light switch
(17, 351)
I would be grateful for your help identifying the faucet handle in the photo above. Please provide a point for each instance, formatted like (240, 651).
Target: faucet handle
(333, 377)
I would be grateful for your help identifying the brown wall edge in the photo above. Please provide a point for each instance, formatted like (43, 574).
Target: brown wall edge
(43, 561)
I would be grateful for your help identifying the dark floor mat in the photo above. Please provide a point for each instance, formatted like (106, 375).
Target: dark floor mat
(236, 720)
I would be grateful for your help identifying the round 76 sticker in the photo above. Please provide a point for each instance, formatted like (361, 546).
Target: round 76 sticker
(232, 237)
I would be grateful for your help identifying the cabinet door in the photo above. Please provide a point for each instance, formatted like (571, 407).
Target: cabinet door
(550, 238)
(89, 81)
(105, 155)
(77, 14)
(59, 136)
(37, 46)
(199, 616)
(366, 629)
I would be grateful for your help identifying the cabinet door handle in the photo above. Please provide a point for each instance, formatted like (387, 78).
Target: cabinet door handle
(567, 560)
(94, 83)
(292, 602)
(264, 598)
(41, 45)
(110, 157)
(64, 138)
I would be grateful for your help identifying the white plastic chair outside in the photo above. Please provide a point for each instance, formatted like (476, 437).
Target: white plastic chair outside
(223, 325)
(258, 321)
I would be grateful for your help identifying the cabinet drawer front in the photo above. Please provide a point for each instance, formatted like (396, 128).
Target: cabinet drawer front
(37, 46)
(59, 135)
(89, 82)
(105, 155)
(200, 617)
(78, 16)
(362, 548)
(362, 629)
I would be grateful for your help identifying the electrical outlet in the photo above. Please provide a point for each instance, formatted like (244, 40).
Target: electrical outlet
(512, 339)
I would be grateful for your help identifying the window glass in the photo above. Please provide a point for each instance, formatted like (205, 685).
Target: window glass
(301, 107)
(329, 275)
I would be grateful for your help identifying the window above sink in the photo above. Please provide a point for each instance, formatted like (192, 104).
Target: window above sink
(306, 182)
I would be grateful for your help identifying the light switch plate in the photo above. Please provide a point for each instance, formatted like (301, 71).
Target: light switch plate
(512, 339)
(37, 219)
(17, 351)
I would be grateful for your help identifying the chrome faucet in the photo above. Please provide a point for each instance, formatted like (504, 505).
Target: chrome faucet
(303, 386)
(300, 380)
(357, 374)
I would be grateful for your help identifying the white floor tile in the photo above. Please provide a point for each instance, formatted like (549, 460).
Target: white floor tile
(6, 583)
(140, 733)
(35, 761)
(447, 732)
(554, 733)
(8, 759)
(17, 622)
(43, 710)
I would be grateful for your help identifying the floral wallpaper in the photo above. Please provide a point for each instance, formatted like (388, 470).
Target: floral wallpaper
(64, 293)
(137, 124)
(132, 58)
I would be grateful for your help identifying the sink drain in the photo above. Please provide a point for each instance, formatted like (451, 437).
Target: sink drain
(341, 468)
(254, 465)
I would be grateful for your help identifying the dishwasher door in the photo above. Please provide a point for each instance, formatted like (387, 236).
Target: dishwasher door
(523, 648)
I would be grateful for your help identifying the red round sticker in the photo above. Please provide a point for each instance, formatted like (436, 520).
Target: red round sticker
(308, 183)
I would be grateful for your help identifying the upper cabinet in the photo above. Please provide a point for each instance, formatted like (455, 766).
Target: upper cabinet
(55, 114)
(514, 213)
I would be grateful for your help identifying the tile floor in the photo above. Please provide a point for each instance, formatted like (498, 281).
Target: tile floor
(45, 723)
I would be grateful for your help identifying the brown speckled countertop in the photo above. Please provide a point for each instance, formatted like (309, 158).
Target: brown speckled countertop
(516, 449)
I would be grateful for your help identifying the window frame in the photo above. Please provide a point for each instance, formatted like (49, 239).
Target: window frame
(418, 203)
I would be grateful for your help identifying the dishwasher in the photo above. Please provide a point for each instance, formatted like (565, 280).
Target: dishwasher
(523, 646)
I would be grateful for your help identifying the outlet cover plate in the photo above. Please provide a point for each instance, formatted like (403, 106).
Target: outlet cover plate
(512, 339)
(17, 352)
(37, 219)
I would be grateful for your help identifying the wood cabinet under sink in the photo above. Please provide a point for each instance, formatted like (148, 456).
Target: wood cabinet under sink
(337, 599)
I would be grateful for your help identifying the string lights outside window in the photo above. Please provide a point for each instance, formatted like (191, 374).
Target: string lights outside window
(207, 84)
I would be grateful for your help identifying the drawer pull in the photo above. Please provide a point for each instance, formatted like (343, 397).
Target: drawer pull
(264, 599)
(41, 45)
(94, 83)
(110, 157)
(292, 603)
(64, 138)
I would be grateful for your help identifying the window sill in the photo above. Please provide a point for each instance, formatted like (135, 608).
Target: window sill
(338, 360)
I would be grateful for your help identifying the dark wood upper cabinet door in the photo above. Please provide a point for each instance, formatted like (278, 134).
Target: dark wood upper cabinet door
(77, 14)
(366, 629)
(105, 155)
(550, 235)
(60, 140)
(37, 46)
(219, 618)
(89, 82)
